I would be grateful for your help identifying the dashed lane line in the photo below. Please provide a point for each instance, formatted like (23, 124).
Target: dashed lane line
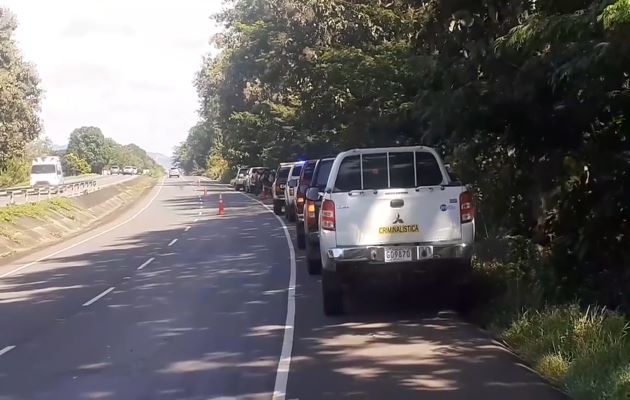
(146, 263)
(97, 298)
(6, 350)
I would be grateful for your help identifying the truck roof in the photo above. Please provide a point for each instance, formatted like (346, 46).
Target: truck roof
(46, 160)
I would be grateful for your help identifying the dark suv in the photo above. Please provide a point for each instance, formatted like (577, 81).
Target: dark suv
(300, 196)
(310, 225)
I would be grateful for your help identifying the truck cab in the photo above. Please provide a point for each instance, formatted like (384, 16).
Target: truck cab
(46, 171)
(390, 209)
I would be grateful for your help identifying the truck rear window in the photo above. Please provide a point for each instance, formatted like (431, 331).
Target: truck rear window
(283, 174)
(402, 173)
(296, 171)
(322, 173)
(307, 172)
(44, 169)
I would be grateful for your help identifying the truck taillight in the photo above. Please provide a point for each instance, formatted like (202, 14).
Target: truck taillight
(300, 199)
(328, 215)
(309, 206)
(466, 207)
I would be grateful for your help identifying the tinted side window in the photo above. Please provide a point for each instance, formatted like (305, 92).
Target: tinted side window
(375, 171)
(296, 171)
(427, 169)
(401, 171)
(283, 173)
(349, 175)
(307, 173)
(323, 172)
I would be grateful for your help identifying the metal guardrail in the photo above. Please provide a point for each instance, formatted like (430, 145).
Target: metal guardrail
(31, 194)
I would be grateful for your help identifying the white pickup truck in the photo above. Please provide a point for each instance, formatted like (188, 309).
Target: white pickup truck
(387, 210)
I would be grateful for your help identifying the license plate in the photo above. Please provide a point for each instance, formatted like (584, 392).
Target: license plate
(398, 254)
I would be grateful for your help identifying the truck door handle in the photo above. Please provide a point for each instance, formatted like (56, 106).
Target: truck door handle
(397, 203)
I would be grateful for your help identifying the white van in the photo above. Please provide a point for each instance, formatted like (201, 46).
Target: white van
(46, 171)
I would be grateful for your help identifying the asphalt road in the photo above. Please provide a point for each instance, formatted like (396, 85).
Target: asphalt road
(172, 301)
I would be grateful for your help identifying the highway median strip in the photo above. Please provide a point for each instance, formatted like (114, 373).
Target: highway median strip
(26, 227)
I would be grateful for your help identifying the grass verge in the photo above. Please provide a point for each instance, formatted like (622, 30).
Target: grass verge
(38, 210)
(585, 351)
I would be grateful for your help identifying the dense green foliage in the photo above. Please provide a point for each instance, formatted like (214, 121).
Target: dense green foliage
(19, 104)
(89, 145)
(530, 98)
(192, 154)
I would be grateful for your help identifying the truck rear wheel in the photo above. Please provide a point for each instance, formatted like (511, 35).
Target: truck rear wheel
(332, 293)
(292, 214)
(300, 236)
(314, 266)
(277, 207)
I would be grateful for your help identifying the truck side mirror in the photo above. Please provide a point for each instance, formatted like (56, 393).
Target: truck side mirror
(312, 193)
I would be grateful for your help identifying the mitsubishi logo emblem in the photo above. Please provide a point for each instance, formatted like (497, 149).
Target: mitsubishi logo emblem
(398, 220)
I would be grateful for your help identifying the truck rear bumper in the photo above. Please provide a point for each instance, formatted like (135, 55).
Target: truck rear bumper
(424, 252)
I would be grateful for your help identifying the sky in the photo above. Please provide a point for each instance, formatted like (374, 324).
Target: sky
(125, 66)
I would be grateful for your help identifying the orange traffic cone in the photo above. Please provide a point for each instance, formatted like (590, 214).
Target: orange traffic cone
(221, 205)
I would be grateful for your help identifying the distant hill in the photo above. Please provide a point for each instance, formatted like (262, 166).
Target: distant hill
(161, 159)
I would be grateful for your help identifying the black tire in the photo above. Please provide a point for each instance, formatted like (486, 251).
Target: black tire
(314, 266)
(332, 293)
(292, 215)
(287, 212)
(300, 235)
(277, 208)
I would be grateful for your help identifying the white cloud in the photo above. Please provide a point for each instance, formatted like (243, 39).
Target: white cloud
(124, 65)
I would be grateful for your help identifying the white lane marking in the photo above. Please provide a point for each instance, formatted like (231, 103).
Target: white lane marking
(147, 262)
(6, 350)
(97, 298)
(196, 220)
(172, 242)
(56, 253)
(284, 364)
(199, 214)
(187, 229)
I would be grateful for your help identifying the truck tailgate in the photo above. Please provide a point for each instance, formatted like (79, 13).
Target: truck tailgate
(397, 216)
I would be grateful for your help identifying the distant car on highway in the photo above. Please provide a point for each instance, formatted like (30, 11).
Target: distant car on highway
(290, 190)
(239, 181)
(46, 171)
(310, 225)
(135, 170)
(252, 177)
(304, 182)
(278, 186)
(128, 170)
(386, 211)
(115, 170)
(174, 172)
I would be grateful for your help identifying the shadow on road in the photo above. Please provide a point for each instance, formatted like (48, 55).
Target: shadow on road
(206, 320)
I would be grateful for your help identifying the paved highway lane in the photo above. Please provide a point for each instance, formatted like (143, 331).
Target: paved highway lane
(203, 319)
(178, 303)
